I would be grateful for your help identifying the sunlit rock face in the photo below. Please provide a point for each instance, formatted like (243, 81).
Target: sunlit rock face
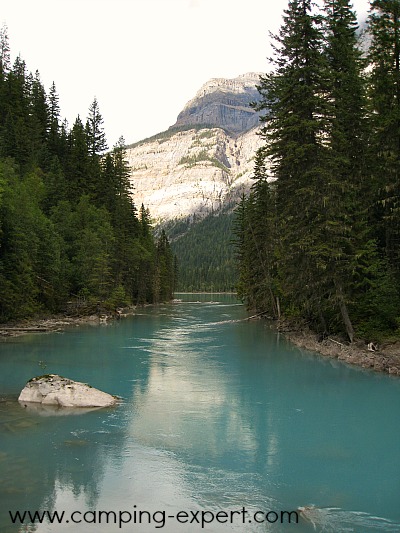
(224, 103)
(206, 159)
(56, 390)
(192, 171)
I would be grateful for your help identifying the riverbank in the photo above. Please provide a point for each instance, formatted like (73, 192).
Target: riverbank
(385, 358)
(54, 323)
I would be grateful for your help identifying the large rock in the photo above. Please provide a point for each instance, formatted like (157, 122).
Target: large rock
(56, 390)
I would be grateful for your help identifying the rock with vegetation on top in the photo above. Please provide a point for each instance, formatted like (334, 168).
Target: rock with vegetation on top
(52, 389)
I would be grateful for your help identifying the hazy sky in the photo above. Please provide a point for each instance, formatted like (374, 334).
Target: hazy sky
(142, 59)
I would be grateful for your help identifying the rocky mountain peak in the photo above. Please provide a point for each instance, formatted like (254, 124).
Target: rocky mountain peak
(206, 160)
(223, 103)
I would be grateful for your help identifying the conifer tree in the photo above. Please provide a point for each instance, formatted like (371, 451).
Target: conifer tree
(294, 98)
(315, 132)
(257, 243)
(68, 224)
(384, 93)
(164, 272)
(346, 248)
(147, 255)
(97, 145)
(77, 162)
(4, 69)
(263, 233)
(5, 60)
(39, 121)
(54, 122)
(16, 139)
(96, 137)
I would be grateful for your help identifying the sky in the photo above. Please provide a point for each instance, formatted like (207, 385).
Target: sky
(142, 59)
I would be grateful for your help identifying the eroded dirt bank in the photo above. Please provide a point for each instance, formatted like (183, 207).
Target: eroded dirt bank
(381, 358)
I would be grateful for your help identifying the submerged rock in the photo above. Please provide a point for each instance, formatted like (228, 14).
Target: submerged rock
(57, 390)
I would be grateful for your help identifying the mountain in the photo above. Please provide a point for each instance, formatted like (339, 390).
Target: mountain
(205, 159)
(223, 103)
(191, 176)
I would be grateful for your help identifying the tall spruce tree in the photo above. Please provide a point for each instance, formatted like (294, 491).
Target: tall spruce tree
(5, 59)
(54, 122)
(4, 69)
(257, 231)
(96, 142)
(349, 251)
(294, 98)
(384, 93)
(39, 121)
(96, 136)
(77, 162)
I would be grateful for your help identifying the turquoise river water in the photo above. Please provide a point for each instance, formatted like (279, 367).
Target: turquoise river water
(221, 421)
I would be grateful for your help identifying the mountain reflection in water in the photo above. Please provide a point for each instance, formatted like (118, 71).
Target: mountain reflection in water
(218, 414)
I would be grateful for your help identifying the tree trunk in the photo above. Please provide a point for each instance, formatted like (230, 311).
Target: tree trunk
(344, 312)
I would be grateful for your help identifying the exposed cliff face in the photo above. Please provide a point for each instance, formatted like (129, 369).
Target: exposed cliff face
(223, 103)
(193, 171)
(197, 169)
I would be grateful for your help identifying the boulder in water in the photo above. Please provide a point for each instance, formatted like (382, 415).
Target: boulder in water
(52, 389)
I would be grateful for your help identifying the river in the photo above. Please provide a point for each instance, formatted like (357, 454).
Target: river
(221, 421)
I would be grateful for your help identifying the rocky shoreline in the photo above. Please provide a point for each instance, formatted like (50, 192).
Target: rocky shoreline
(57, 323)
(385, 358)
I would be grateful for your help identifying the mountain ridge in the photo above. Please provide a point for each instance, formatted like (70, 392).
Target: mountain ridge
(224, 103)
(196, 167)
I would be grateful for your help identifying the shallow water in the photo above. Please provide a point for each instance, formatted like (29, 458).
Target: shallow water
(217, 415)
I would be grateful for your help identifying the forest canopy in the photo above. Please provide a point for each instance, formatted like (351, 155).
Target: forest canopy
(318, 238)
(69, 230)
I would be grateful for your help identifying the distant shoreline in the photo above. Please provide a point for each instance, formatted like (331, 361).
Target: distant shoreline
(204, 292)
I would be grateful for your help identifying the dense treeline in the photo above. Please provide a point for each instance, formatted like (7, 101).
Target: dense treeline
(69, 229)
(205, 252)
(318, 238)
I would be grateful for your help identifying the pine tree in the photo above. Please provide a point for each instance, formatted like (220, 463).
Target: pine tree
(164, 272)
(97, 145)
(346, 250)
(16, 138)
(39, 121)
(5, 60)
(147, 255)
(294, 98)
(77, 163)
(263, 233)
(54, 122)
(96, 137)
(384, 95)
(256, 241)
(4, 69)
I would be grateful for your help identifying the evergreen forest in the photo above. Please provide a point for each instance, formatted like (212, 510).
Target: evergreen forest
(205, 252)
(70, 234)
(318, 237)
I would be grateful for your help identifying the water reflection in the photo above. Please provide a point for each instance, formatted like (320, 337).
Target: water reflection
(217, 414)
